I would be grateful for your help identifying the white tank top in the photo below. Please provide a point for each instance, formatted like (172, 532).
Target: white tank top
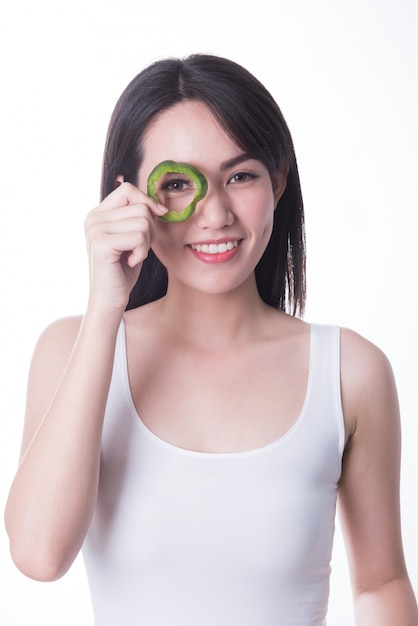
(183, 538)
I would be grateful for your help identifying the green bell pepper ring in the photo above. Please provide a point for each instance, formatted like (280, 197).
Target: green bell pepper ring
(198, 179)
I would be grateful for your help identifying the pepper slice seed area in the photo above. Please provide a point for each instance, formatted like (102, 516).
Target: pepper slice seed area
(196, 177)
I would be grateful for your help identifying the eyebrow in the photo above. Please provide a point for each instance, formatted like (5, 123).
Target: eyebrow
(226, 165)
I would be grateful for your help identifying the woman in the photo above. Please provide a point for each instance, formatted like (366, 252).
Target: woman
(190, 431)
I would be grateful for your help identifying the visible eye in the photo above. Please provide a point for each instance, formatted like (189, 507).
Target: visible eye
(175, 183)
(242, 177)
(175, 191)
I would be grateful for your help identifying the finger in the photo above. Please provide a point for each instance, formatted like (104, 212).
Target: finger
(112, 248)
(134, 223)
(130, 218)
(138, 252)
(127, 194)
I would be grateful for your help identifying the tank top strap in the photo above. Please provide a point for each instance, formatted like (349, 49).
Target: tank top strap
(120, 367)
(325, 397)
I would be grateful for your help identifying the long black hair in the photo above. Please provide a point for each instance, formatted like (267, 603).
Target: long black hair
(251, 117)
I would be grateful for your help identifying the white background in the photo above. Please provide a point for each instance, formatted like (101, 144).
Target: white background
(345, 76)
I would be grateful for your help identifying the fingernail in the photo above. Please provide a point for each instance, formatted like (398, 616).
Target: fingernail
(162, 209)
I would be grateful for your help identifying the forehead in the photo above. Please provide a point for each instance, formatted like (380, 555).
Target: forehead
(186, 132)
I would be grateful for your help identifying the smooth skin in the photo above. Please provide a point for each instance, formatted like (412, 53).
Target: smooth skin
(210, 329)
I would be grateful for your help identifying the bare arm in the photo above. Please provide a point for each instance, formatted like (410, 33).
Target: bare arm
(369, 489)
(53, 495)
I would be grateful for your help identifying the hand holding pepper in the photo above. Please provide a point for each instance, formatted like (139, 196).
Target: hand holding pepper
(119, 233)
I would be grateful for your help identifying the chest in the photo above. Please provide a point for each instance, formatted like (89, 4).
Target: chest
(222, 401)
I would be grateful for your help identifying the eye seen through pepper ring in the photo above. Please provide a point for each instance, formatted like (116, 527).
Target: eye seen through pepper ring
(192, 173)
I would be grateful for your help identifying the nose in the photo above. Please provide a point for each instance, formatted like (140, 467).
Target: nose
(214, 211)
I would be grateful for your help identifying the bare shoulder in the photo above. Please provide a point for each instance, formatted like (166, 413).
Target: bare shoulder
(362, 362)
(283, 325)
(63, 328)
(49, 360)
(367, 380)
(57, 340)
(52, 352)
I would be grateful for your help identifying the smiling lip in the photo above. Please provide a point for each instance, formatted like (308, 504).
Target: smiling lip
(215, 252)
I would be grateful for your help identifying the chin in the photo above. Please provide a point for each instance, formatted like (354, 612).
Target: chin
(217, 285)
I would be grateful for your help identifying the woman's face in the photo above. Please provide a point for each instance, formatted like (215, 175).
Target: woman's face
(218, 247)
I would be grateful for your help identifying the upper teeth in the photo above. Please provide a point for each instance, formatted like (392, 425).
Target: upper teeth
(214, 248)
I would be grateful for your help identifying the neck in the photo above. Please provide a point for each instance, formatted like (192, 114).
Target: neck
(212, 320)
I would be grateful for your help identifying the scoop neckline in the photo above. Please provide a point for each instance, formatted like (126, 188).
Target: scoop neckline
(202, 454)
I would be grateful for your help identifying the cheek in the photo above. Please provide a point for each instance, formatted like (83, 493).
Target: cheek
(264, 216)
(165, 241)
(267, 232)
(160, 241)
(266, 222)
